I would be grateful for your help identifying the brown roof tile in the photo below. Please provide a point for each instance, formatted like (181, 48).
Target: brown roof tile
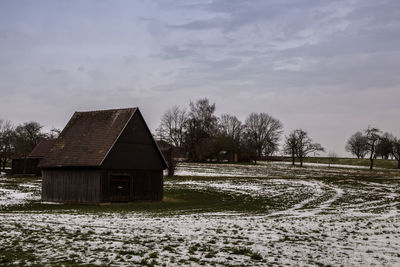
(87, 138)
(42, 149)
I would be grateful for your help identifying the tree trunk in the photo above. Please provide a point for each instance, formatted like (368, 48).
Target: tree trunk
(371, 165)
(293, 158)
(301, 162)
(398, 164)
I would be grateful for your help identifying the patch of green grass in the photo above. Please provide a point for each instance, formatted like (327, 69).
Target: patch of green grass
(9, 256)
(177, 199)
(194, 248)
(169, 248)
(153, 255)
(242, 251)
(188, 200)
(256, 256)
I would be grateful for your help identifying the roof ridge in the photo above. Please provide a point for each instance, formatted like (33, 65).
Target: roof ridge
(102, 110)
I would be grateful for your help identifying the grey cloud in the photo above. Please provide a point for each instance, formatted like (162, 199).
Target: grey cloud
(311, 63)
(233, 15)
(96, 75)
(175, 52)
(57, 72)
(216, 22)
(129, 59)
(223, 64)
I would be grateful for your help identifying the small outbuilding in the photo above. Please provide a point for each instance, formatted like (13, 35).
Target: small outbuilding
(30, 164)
(104, 156)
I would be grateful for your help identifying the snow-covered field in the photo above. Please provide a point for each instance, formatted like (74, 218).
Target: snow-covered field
(224, 214)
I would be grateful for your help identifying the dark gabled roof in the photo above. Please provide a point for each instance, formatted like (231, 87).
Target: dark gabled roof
(87, 138)
(42, 149)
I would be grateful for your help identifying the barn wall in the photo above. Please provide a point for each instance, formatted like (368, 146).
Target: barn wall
(71, 185)
(144, 185)
(25, 166)
(135, 148)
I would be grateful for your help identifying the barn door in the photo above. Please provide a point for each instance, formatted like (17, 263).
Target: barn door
(119, 188)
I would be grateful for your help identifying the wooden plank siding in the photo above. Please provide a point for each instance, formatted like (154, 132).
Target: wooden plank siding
(28, 166)
(94, 186)
(71, 185)
(144, 185)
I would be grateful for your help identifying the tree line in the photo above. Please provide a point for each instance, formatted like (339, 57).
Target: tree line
(18, 141)
(203, 136)
(373, 143)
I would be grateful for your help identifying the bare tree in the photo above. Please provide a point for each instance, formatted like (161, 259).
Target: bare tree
(290, 146)
(200, 127)
(6, 142)
(170, 161)
(384, 146)
(230, 126)
(357, 145)
(27, 136)
(332, 156)
(373, 137)
(171, 128)
(263, 133)
(203, 112)
(228, 139)
(53, 134)
(304, 145)
(396, 150)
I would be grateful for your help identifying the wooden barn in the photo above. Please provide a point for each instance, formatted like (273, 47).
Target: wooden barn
(30, 164)
(104, 156)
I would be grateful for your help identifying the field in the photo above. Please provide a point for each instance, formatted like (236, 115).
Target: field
(351, 162)
(215, 214)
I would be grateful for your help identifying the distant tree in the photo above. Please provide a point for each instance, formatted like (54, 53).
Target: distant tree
(357, 145)
(203, 112)
(373, 137)
(230, 126)
(396, 150)
(385, 146)
(229, 136)
(27, 136)
(304, 145)
(170, 161)
(290, 146)
(200, 127)
(332, 156)
(6, 142)
(262, 133)
(172, 126)
(53, 134)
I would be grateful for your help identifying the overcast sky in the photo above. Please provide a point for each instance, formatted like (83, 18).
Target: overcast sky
(329, 67)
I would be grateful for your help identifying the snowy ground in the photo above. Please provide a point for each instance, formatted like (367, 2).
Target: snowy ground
(246, 215)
